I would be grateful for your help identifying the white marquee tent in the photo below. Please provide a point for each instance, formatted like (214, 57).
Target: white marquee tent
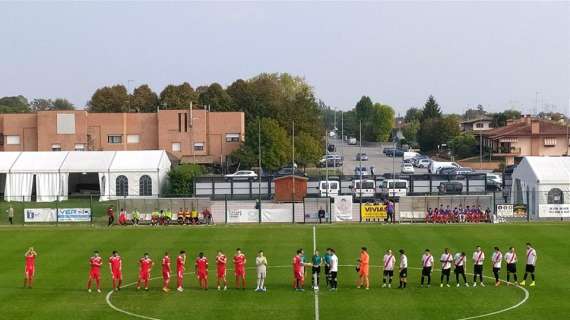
(544, 184)
(119, 173)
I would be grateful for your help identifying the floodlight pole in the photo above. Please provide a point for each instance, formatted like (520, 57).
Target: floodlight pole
(259, 165)
(360, 165)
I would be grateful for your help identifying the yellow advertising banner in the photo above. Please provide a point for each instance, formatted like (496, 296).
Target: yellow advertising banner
(373, 211)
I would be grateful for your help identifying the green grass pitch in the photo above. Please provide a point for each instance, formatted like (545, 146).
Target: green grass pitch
(60, 286)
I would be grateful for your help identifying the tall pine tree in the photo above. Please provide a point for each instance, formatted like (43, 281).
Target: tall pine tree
(431, 109)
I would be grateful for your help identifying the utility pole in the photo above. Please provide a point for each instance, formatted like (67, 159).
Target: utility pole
(480, 151)
(259, 165)
(360, 170)
(342, 140)
(293, 165)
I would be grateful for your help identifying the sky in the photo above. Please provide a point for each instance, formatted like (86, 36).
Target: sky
(500, 55)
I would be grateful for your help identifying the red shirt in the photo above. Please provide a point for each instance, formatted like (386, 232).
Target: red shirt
(297, 263)
(166, 264)
(180, 261)
(30, 260)
(95, 263)
(116, 263)
(239, 261)
(202, 264)
(145, 265)
(110, 212)
(221, 262)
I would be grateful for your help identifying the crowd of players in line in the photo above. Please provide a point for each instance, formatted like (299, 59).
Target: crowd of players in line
(458, 215)
(329, 261)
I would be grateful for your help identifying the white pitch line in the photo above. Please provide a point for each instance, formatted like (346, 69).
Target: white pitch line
(316, 293)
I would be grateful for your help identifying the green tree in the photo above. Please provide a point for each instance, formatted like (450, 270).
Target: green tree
(217, 98)
(275, 146)
(178, 97)
(308, 150)
(41, 105)
(410, 130)
(499, 119)
(17, 104)
(62, 104)
(474, 113)
(144, 99)
(181, 179)
(109, 99)
(382, 122)
(437, 131)
(463, 145)
(431, 109)
(413, 114)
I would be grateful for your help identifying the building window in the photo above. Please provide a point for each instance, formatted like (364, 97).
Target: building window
(479, 125)
(79, 147)
(555, 196)
(122, 186)
(232, 137)
(176, 147)
(133, 138)
(12, 139)
(56, 147)
(198, 146)
(115, 139)
(1, 139)
(145, 186)
(65, 123)
(549, 142)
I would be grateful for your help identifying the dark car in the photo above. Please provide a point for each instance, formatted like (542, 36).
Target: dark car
(450, 188)
(288, 171)
(447, 171)
(395, 153)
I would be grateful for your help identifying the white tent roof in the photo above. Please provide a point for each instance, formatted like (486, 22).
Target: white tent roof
(43, 161)
(84, 161)
(146, 160)
(88, 161)
(544, 170)
(7, 160)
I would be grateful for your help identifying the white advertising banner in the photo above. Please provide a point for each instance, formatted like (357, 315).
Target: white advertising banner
(276, 215)
(243, 216)
(40, 215)
(554, 211)
(505, 210)
(342, 208)
(74, 215)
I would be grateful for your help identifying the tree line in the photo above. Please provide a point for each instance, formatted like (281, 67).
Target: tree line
(19, 104)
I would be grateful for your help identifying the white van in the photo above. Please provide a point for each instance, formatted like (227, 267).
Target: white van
(434, 166)
(394, 188)
(410, 155)
(330, 188)
(367, 189)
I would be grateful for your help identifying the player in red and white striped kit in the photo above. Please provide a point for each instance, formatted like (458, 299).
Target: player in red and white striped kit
(530, 264)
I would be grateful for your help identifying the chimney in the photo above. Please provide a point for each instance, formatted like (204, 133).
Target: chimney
(535, 126)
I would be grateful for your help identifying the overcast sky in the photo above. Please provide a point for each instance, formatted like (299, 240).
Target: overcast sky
(498, 55)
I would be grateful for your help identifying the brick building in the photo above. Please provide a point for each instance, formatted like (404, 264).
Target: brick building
(187, 135)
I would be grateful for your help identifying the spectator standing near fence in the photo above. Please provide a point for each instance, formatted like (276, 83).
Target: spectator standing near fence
(110, 216)
(390, 210)
(207, 215)
(322, 215)
(10, 212)
(136, 217)
(123, 217)
(194, 216)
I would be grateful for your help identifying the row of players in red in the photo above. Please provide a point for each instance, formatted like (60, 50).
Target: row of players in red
(458, 215)
(145, 267)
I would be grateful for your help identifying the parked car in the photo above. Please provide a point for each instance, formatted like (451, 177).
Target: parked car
(394, 188)
(331, 160)
(463, 171)
(423, 163)
(407, 168)
(288, 171)
(366, 189)
(352, 141)
(329, 188)
(241, 175)
(450, 188)
(494, 182)
(385, 151)
(434, 166)
(446, 170)
(361, 156)
(361, 170)
(395, 153)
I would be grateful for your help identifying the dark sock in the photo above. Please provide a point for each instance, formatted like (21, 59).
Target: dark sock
(532, 276)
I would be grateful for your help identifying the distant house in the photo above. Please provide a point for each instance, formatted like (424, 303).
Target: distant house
(527, 136)
(476, 125)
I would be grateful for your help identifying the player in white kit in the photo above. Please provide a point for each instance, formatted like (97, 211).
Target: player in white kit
(530, 264)
(389, 262)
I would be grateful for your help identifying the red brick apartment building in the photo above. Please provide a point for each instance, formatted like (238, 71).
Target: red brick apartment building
(187, 135)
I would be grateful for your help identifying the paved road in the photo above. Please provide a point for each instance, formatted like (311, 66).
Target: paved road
(376, 158)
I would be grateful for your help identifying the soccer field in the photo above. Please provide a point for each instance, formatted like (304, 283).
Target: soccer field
(62, 268)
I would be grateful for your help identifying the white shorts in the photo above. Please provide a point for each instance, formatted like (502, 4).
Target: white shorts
(261, 274)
